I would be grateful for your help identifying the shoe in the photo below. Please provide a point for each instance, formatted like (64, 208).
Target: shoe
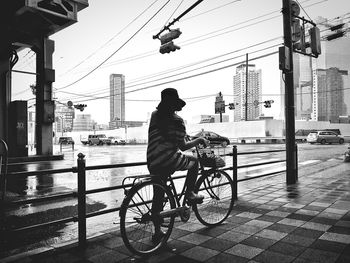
(193, 198)
(158, 236)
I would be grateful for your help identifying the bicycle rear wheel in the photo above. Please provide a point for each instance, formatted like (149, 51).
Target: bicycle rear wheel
(138, 220)
(217, 189)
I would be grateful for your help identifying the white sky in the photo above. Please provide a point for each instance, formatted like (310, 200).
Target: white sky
(102, 20)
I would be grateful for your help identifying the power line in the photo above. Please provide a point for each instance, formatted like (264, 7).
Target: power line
(202, 37)
(181, 73)
(173, 12)
(192, 69)
(189, 77)
(111, 39)
(212, 64)
(210, 10)
(99, 65)
(304, 10)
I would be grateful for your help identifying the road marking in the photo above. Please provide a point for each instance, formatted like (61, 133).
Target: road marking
(257, 170)
(308, 162)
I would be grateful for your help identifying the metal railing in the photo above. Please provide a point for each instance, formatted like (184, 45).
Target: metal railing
(3, 167)
(81, 192)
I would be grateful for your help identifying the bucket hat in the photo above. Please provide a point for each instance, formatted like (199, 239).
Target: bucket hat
(170, 99)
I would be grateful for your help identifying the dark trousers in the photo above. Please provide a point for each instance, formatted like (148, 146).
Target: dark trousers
(158, 194)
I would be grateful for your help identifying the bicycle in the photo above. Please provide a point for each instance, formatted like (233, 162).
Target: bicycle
(137, 222)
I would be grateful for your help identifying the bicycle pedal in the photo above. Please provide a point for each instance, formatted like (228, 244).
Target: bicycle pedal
(195, 201)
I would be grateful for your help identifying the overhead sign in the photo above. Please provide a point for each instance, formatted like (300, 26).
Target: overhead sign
(219, 107)
(219, 104)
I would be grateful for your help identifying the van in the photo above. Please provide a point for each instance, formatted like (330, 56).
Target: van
(98, 139)
(65, 140)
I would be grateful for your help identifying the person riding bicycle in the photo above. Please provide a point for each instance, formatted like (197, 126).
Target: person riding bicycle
(166, 141)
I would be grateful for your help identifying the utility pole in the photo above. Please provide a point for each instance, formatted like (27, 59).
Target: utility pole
(246, 87)
(289, 96)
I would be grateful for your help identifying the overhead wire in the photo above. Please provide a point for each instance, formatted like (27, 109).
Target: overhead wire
(317, 2)
(166, 22)
(187, 77)
(114, 52)
(304, 10)
(198, 68)
(192, 64)
(174, 75)
(111, 39)
(210, 10)
(203, 37)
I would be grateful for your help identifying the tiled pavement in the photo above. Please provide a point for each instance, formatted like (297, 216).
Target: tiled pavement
(306, 222)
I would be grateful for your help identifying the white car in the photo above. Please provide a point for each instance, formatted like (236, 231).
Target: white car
(324, 137)
(116, 141)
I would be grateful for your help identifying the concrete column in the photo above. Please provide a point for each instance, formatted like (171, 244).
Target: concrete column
(5, 94)
(44, 49)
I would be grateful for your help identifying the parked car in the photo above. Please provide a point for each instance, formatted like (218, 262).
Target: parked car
(84, 140)
(117, 141)
(98, 139)
(214, 138)
(65, 140)
(114, 140)
(121, 142)
(324, 137)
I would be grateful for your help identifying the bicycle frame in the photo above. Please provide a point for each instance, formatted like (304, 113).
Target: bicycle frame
(169, 183)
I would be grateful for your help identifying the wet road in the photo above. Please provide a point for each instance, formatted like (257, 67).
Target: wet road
(32, 186)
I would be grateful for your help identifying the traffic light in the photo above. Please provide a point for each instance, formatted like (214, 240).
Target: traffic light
(80, 106)
(166, 40)
(315, 41)
(335, 35)
(296, 30)
(231, 106)
(268, 103)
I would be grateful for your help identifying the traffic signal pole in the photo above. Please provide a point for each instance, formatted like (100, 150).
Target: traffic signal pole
(246, 86)
(289, 97)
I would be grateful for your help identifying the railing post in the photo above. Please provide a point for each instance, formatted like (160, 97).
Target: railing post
(234, 171)
(81, 201)
(3, 169)
(296, 161)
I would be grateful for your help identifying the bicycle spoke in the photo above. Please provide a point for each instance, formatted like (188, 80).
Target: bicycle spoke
(217, 190)
(138, 224)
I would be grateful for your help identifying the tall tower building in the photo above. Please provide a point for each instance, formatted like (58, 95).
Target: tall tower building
(318, 82)
(117, 100)
(254, 92)
(328, 89)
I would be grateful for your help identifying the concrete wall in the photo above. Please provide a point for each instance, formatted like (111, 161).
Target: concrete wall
(232, 130)
(320, 125)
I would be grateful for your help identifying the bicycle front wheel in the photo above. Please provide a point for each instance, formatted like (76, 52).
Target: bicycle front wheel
(140, 217)
(217, 189)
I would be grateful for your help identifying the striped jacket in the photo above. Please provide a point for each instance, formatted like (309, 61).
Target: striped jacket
(164, 137)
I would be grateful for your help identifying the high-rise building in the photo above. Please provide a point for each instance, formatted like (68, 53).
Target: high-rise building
(254, 93)
(320, 84)
(117, 100)
(328, 94)
(302, 87)
(83, 122)
(64, 118)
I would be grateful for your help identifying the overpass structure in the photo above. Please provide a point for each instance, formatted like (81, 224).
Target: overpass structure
(28, 24)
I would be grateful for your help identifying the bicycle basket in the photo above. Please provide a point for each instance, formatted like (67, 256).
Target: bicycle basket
(209, 159)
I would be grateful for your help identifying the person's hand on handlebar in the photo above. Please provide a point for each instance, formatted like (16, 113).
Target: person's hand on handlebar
(205, 142)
